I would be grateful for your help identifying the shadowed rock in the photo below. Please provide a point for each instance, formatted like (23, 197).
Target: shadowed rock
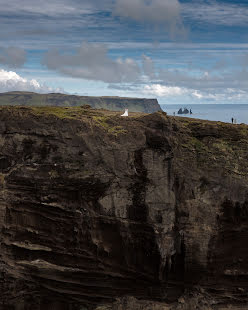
(103, 212)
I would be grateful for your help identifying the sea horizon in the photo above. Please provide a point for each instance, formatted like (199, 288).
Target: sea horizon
(214, 112)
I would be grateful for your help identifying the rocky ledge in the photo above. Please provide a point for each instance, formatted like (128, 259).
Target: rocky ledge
(103, 212)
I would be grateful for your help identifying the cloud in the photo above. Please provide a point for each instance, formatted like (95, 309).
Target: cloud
(209, 95)
(164, 91)
(212, 12)
(203, 80)
(12, 56)
(148, 66)
(49, 8)
(154, 12)
(11, 81)
(91, 62)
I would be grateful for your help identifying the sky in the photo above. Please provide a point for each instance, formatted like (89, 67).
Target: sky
(178, 51)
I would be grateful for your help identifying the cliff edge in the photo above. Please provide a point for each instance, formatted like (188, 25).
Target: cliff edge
(103, 212)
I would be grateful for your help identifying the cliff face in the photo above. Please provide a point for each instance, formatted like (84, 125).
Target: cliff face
(99, 211)
(109, 103)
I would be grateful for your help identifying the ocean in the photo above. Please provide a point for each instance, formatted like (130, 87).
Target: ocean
(212, 112)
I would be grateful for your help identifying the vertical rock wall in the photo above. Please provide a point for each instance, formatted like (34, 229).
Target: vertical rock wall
(88, 217)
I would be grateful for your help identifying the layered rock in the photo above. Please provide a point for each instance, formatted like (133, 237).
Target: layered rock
(99, 211)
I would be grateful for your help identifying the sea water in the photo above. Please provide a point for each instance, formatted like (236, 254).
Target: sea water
(212, 112)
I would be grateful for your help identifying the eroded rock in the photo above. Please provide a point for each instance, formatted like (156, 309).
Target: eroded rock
(146, 212)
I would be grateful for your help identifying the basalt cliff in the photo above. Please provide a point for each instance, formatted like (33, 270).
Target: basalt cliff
(103, 212)
(19, 98)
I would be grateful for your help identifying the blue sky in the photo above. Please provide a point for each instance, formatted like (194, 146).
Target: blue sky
(176, 51)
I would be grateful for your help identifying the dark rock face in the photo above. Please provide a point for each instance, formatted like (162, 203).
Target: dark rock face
(152, 217)
(63, 100)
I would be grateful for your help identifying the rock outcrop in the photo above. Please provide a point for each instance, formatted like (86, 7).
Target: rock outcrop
(103, 212)
(183, 111)
(56, 99)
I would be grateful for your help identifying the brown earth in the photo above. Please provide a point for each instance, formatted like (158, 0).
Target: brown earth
(103, 212)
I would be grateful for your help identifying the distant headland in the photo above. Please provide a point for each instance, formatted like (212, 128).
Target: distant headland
(18, 98)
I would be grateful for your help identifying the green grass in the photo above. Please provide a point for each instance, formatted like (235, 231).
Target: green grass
(64, 112)
(198, 145)
(195, 144)
(103, 121)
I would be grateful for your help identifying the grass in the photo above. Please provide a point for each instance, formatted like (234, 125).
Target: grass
(244, 131)
(65, 112)
(198, 145)
(195, 144)
(103, 121)
(222, 146)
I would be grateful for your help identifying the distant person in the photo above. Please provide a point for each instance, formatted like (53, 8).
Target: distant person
(190, 111)
(232, 120)
(125, 113)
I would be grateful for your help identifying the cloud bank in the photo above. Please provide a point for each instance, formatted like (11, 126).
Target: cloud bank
(166, 13)
(91, 62)
(11, 81)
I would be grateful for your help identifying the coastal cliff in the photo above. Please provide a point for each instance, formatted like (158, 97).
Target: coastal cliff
(56, 99)
(103, 212)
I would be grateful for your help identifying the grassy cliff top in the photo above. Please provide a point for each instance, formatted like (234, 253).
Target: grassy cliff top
(208, 144)
(197, 128)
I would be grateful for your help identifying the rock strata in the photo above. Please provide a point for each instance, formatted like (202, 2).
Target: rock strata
(103, 212)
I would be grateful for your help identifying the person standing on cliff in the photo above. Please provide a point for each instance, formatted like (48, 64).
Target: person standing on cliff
(125, 113)
(232, 120)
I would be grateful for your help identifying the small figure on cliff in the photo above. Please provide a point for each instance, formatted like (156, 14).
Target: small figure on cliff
(232, 120)
(190, 111)
(125, 113)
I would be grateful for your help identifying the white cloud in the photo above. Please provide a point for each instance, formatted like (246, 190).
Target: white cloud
(164, 91)
(197, 94)
(182, 93)
(11, 81)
